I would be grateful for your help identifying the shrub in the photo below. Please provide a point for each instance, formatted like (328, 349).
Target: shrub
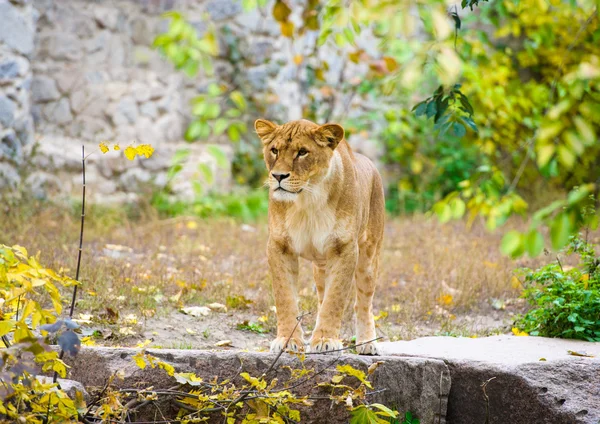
(566, 301)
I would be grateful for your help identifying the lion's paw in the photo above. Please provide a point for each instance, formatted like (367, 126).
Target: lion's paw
(367, 348)
(324, 345)
(294, 345)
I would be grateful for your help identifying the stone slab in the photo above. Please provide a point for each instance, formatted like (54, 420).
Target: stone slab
(420, 385)
(522, 389)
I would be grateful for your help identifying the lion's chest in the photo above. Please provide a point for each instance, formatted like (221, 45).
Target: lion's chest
(310, 229)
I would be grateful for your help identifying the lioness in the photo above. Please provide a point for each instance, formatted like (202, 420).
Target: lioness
(326, 205)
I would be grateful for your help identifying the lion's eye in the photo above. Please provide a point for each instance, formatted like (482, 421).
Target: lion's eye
(302, 152)
(274, 151)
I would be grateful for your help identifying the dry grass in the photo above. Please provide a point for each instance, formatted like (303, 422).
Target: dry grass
(435, 279)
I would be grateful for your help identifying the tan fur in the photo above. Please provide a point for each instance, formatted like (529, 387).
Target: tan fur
(329, 210)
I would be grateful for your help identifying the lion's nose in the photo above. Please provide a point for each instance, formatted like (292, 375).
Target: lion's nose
(280, 177)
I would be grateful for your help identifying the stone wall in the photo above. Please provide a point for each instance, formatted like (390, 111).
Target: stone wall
(94, 77)
(17, 31)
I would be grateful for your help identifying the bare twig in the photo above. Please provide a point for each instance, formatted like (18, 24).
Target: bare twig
(83, 157)
(487, 400)
(298, 322)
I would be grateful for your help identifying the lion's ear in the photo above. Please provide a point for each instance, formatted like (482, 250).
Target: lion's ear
(329, 135)
(264, 128)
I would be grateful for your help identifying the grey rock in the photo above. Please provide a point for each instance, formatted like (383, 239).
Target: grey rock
(9, 177)
(106, 17)
(116, 50)
(415, 384)
(258, 76)
(260, 50)
(98, 42)
(140, 32)
(223, 9)
(58, 153)
(42, 184)
(149, 109)
(126, 111)
(65, 46)
(134, 179)
(44, 89)
(140, 91)
(9, 69)
(58, 112)
(145, 132)
(560, 389)
(7, 111)
(115, 89)
(69, 79)
(17, 30)
(10, 145)
(69, 386)
(23, 126)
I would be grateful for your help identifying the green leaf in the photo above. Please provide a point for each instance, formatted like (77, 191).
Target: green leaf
(560, 230)
(385, 411)
(213, 89)
(219, 155)
(363, 415)
(431, 109)
(238, 99)
(566, 156)
(420, 108)
(512, 243)
(457, 207)
(458, 129)
(212, 111)
(578, 194)
(194, 130)
(206, 173)
(220, 126)
(443, 211)
(534, 243)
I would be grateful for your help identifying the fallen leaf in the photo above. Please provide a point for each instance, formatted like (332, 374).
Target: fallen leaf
(190, 331)
(580, 353)
(196, 311)
(223, 343)
(127, 331)
(217, 307)
(518, 332)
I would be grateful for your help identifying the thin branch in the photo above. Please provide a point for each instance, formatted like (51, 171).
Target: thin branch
(487, 400)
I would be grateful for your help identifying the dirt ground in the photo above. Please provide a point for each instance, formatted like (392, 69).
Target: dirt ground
(140, 275)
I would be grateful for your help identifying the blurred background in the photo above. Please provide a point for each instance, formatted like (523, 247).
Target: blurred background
(473, 111)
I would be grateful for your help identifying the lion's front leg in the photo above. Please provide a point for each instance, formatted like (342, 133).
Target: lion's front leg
(284, 271)
(340, 268)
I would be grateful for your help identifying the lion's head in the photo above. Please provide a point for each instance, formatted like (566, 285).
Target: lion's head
(297, 154)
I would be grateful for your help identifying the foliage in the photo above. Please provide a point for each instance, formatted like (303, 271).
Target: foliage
(30, 299)
(515, 100)
(246, 205)
(566, 302)
(532, 74)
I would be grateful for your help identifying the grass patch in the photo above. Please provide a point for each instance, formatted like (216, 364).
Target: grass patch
(139, 269)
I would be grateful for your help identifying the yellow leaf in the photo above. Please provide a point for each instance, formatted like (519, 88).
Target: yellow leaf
(103, 147)
(6, 327)
(139, 360)
(518, 332)
(287, 29)
(130, 153)
(445, 299)
(144, 150)
(515, 282)
(192, 225)
(116, 147)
